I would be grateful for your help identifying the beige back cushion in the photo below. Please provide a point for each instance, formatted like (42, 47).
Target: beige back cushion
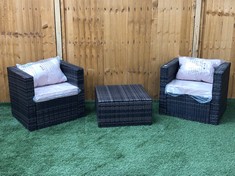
(197, 69)
(44, 72)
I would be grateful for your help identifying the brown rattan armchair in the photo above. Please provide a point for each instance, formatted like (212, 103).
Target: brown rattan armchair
(184, 106)
(36, 115)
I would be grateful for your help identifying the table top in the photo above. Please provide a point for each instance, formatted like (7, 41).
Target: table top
(121, 93)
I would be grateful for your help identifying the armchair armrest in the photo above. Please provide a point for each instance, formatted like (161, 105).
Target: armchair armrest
(167, 74)
(221, 80)
(74, 74)
(168, 71)
(220, 91)
(21, 86)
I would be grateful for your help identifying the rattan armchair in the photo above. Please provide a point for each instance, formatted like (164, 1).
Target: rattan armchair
(43, 114)
(184, 106)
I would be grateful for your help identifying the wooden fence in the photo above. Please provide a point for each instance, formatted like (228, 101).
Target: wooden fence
(217, 39)
(27, 33)
(115, 41)
(123, 42)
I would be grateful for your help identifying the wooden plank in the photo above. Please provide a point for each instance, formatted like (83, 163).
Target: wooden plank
(111, 36)
(121, 11)
(89, 50)
(86, 45)
(107, 44)
(224, 30)
(183, 31)
(147, 44)
(190, 8)
(184, 28)
(93, 45)
(81, 33)
(212, 30)
(136, 41)
(38, 30)
(9, 38)
(178, 28)
(191, 14)
(100, 42)
(165, 32)
(171, 30)
(75, 35)
(47, 21)
(32, 29)
(124, 35)
(140, 37)
(206, 31)
(21, 18)
(217, 28)
(130, 39)
(9, 57)
(69, 30)
(3, 9)
(230, 27)
(232, 56)
(58, 28)
(232, 90)
(110, 60)
(18, 32)
(232, 51)
(26, 33)
(14, 29)
(155, 48)
(154, 9)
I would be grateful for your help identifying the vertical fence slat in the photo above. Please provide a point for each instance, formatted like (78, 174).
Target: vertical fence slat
(3, 47)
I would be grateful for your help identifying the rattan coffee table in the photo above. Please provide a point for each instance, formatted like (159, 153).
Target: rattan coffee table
(122, 105)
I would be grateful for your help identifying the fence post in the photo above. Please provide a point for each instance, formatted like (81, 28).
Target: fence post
(196, 32)
(58, 28)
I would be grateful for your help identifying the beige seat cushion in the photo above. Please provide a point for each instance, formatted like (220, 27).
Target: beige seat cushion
(54, 91)
(194, 88)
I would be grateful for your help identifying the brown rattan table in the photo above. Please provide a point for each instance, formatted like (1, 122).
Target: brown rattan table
(122, 105)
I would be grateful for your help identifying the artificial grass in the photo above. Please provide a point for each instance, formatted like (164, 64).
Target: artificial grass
(170, 146)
